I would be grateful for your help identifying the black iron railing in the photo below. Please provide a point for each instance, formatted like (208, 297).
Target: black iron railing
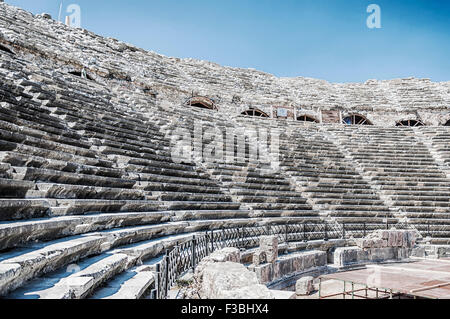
(186, 255)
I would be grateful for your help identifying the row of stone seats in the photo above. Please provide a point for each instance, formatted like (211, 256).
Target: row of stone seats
(91, 238)
(437, 140)
(143, 168)
(84, 155)
(254, 184)
(330, 181)
(405, 172)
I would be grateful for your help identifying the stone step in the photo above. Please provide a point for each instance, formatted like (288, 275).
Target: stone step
(348, 202)
(153, 170)
(331, 196)
(230, 214)
(422, 209)
(15, 135)
(382, 161)
(27, 150)
(23, 160)
(420, 197)
(66, 191)
(177, 187)
(418, 179)
(15, 209)
(415, 202)
(16, 268)
(330, 180)
(79, 284)
(259, 186)
(132, 284)
(157, 161)
(239, 180)
(279, 206)
(412, 191)
(28, 133)
(322, 175)
(270, 199)
(121, 150)
(360, 213)
(17, 233)
(416, 186)
(114, 139)
(65, 207)
(180, 196)
(355, 206)
(10, 188)
(61, 177)
(406, 175)
(270, 193)
(21, 119)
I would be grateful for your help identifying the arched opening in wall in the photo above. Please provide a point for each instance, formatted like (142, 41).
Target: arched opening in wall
(5, 49)
(447, 123)
(254, 112)
(356, 119)
(410, 123)
(82, 74)
(306, 118)
(202, 102)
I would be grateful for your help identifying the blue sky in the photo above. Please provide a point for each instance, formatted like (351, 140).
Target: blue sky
(325, 39)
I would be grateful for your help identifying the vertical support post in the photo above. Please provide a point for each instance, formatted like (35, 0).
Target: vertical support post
(166, 274)
(387, 223)
(343, 230)
(304, 232)
(286, 230)
(377, 293)
(207, 243)
(353, 290)
(344, 294)
(390, 294)
(366, 291)
(158, 281)
(428, 229)
(193, 253)
(223, 238)
(364, 229)
(326, 233)
(320, 288)
(212, 241)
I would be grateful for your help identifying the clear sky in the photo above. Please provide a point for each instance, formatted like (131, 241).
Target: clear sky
(325, 39)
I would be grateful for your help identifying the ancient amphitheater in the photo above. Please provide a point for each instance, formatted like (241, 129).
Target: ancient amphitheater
(94, 202)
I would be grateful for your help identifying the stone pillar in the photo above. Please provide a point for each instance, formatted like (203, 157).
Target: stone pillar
(304, 286)
(269, 245)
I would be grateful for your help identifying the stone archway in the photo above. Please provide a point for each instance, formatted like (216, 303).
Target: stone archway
(202, 102)
(356, 119)
(255, 112)
(307, 118)
(410, 123)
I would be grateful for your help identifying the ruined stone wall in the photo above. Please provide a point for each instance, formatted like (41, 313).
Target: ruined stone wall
(234, 90)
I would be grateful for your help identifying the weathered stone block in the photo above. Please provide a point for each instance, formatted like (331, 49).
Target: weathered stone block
(304, 286)
(264, 273)
(259, 257)
(269, 245)
(229, 280)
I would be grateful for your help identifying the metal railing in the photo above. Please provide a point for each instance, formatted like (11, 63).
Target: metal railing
(186, 255)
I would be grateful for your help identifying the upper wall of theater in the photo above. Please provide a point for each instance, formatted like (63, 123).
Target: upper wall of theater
(233, 90)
